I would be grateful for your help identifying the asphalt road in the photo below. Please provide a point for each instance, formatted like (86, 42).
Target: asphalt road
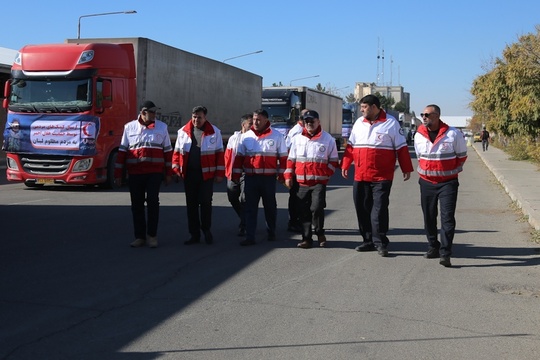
(72, 288)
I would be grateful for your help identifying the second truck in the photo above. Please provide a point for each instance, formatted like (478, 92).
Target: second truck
(284, 104)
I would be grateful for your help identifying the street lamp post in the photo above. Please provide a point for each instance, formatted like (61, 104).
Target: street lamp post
(101, 14)
(251, 53)
(307, 77)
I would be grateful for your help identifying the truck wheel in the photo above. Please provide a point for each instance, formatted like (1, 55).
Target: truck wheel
(109, 183)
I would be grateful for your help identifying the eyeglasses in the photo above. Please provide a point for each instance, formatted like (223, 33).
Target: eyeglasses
(426, 114)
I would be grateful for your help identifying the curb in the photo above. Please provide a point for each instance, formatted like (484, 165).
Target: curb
(525, 205)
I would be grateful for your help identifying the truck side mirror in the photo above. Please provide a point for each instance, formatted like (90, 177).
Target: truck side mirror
(7, 88)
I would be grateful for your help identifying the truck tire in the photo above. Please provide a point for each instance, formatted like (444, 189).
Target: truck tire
(109, 183)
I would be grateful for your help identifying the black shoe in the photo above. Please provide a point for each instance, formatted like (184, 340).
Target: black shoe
(247, 242)
(305, 244)
(366, 246)
(241, 231)
(322, 240)
(445, 261)
(192, 241)
(432, 253)
(271, 237)
(383, 251)
(208, 237)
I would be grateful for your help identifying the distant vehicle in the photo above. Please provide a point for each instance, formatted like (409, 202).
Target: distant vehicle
(477, 137)
(350, 114)
(284, 104)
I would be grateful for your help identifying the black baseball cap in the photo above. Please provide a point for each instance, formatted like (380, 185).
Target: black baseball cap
(311, 114)
(149, 105)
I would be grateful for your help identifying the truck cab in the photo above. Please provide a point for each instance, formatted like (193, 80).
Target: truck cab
(67, 105)
(283, 107)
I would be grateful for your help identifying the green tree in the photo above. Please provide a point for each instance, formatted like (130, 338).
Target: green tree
(319, 87)
(401, 107)
(350, 98)
(507, 97)
(386, 102)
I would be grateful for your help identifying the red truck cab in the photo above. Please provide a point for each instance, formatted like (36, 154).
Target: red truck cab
(67, 105)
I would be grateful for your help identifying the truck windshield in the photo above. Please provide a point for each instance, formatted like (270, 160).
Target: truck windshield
(74, 95)
(347, 116)
(278, 114)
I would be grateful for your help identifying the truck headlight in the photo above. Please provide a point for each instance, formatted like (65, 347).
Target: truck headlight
(83, 165)
(12, 164)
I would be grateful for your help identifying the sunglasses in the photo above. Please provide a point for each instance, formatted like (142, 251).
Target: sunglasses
(426, 114)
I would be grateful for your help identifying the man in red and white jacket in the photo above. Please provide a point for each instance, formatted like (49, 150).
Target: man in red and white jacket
(262, 156)
(375, 142)
(235, 190)
(441, 151)
(313, 159)
(198, 160)
(146, 152)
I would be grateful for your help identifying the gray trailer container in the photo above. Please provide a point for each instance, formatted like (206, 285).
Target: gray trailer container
(176, 81)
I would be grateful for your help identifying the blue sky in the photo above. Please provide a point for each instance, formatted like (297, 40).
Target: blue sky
(434, 49)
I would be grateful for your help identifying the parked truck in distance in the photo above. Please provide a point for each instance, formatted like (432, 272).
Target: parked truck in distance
(284, 103)
(349, 116)
(67, 103)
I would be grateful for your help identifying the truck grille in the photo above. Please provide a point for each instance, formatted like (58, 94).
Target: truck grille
(45, 164)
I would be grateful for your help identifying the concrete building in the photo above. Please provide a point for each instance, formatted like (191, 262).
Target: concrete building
(6, 60)
(362, 89)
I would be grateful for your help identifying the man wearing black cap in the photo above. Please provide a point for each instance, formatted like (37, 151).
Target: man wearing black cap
(313, 159)
(146, 152)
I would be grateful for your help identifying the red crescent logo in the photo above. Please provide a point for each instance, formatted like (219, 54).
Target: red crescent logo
(85, 130)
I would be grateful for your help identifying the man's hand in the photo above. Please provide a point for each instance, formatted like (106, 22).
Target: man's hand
(218, 179)
(167, 180)
(345, 173)
(406, 176)
(288, 183)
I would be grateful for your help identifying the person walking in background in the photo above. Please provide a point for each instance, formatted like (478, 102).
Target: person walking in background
(262, 156)
(484, 136)
(313, 159)
(146, 152)
(375, 142)
(294, 224)
(441, 151)
(235, 191)
(198, 160)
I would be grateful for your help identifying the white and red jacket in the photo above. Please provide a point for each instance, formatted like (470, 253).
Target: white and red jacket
(230, 153)
(295, 130)
(443, 159)
(374, 148)
(260, 153)
(144, 149)
(212, 162)
(312, 159)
